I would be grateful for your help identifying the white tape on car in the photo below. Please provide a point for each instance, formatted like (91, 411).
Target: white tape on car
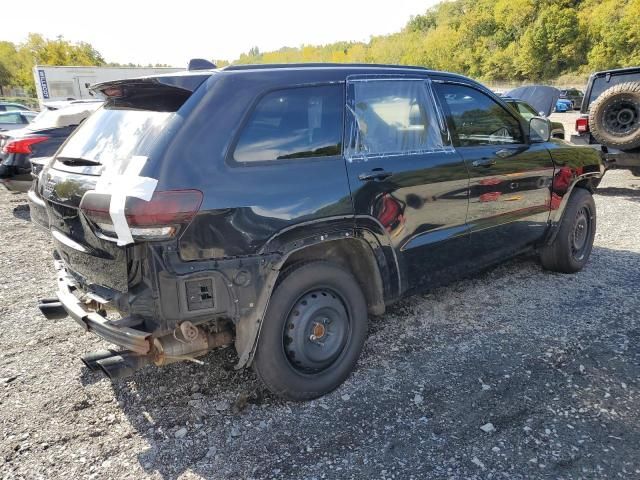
(123, 184)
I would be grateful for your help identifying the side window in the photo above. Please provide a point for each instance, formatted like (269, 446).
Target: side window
(294, 123)
(393, 116)
(13, 118)
(478, 119)
(526, 110)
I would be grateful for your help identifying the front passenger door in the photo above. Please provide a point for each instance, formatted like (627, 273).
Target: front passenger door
(510, 178)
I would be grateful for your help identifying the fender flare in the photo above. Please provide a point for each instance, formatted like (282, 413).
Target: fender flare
(557, 215)
(299, 237)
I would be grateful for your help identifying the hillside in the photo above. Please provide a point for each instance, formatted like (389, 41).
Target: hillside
(511, 40)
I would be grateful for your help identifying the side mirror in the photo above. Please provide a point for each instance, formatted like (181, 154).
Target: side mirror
(539, 130)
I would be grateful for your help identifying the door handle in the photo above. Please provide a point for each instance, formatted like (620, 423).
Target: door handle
(504, 153)
(484, 162)
(375, 174)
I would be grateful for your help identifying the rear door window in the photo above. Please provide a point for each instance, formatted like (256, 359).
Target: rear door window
(291, 124)
(393, 116)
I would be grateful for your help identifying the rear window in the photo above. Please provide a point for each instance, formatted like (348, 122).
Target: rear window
(11, 118)
(135, 115)
(600, 84)
(112, 135)
(71, 115)
(293, 124)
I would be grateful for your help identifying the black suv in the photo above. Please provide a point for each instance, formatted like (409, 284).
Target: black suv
(275, 207)
(573, 94)
(610, 117)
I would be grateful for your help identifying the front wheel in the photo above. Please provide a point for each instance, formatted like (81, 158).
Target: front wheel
(570, 250)
(313, 332)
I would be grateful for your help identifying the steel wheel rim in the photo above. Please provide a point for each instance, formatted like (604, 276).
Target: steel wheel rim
(316, 332)
(581, 233)
(621, 118)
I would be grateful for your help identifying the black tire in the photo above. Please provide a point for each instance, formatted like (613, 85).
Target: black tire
(614, 118)
(572, 246)
(635, 171)
(290, 360)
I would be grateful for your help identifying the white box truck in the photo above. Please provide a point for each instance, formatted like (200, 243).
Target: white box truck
(66, 83)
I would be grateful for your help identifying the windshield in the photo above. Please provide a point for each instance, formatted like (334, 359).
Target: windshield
(111, 135)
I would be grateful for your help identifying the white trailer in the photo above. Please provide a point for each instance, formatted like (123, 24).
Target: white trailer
(65, 83)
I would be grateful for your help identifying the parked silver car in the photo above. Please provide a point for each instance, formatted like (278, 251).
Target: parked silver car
(16, 119)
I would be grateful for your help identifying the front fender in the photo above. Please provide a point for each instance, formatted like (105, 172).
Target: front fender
(575, 167)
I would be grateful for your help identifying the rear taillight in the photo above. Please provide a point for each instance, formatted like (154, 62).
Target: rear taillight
(23, 145)
(582, 124)
(161, 217)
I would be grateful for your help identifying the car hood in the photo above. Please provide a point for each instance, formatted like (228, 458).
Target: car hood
(541, 97)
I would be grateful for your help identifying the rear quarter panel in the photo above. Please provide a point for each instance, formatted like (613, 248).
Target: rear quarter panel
(243, 206)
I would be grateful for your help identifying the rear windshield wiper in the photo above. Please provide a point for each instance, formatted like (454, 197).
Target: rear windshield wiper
(84, 162)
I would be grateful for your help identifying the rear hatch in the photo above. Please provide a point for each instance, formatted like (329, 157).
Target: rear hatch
(130, 125)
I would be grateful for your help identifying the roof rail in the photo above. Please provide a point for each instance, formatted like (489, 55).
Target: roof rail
(266, 66)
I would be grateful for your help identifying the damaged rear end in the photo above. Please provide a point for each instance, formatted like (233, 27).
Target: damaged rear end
(113, 228)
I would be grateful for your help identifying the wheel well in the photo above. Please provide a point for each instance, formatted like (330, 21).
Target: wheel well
(588, 184)
(354, 255)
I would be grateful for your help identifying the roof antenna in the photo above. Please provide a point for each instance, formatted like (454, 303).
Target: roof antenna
(200, 64)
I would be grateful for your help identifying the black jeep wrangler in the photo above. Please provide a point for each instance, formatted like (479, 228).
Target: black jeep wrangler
(275, 207)
(610, 117)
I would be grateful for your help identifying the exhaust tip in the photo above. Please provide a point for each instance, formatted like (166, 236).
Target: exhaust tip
(91, 359)
(123, 365)
(52, 309)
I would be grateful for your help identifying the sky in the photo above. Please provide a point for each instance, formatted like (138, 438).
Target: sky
(172, 32)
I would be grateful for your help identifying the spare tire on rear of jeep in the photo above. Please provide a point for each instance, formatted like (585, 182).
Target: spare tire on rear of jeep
(614, 118)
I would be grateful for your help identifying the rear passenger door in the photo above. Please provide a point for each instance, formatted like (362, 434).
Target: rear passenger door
(510, 177)
(405, 177)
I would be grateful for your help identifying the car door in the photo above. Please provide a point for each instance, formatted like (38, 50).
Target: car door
(405, 176)
(510, 177)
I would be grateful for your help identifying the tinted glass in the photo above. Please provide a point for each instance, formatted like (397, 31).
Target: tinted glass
(294, 123)
(394, 116)
(110, 136)
(12, 118)
(478, 119)
(526, 110)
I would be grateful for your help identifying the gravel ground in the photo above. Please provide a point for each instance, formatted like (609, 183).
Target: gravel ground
(568, 119)
(516, 373)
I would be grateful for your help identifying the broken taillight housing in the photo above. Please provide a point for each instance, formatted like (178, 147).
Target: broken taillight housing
(23, 145)
(582, 124)
(159, 218)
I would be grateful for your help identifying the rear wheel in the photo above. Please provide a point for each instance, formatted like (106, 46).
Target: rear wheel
(572, 246)
(313, 332)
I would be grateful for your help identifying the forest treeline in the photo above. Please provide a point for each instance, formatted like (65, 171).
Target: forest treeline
(496, 40)
(491, 40)
(17, 60)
